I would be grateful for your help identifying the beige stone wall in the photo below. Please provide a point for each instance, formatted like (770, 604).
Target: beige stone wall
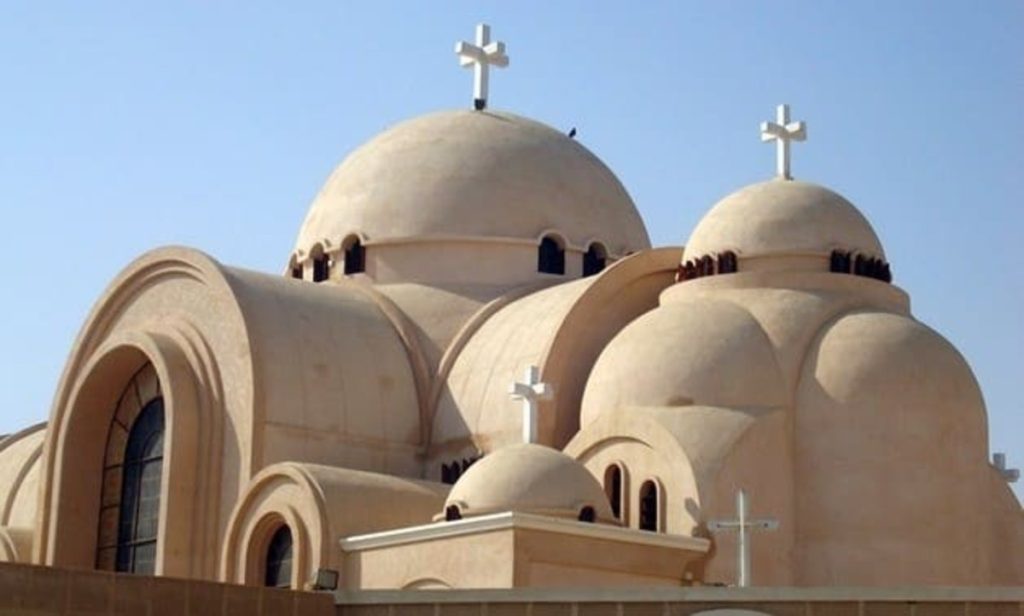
(46, 591)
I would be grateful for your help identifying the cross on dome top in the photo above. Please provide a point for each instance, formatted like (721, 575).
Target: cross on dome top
(481, 56)
(782, 131)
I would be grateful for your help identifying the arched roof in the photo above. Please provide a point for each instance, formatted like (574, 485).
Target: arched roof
(19, 476)
(692, 351)
(529, 478)
(783, 217)
(483, 174)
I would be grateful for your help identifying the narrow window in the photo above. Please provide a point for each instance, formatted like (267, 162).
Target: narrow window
(727, 263)
(452, 513)
(594, 259)
(588, 515)
(279, 559)
(297, 272)
(139, 515)
(550, 257)
(355, 257)
(321, 268)
(649, 506)
(613, 488)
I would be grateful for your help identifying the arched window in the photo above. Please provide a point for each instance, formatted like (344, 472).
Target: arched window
(297, 271)
(139, 515)
(279, 559)
(594, 259)
(452, 513)
(551, 257)
(649, 506)
(727, 263)
(613, 488)
(355, 256)
(321, 268)
(587, 514)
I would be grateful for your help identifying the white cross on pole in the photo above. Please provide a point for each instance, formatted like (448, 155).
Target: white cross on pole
(481, 56)
(743, 525)
(782, 131)
(1011, 475)
(531, 392)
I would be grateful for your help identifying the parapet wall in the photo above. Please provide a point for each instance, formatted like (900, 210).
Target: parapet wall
(840, 601)
(31, 589)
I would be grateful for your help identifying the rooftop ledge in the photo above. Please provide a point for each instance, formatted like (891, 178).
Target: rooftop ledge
(902, 594)
(524, 521)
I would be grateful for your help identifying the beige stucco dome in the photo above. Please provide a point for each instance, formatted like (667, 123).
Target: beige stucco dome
(783, 218)
(689, 351)
(481, 174)
(529, 478)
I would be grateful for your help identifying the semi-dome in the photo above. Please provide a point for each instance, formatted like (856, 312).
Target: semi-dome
(783, 218)
(476, 174)
(687, 351)
(529, 478)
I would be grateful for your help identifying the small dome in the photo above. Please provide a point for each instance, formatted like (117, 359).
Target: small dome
(529, 478)
(689, 351)
(783, 217)
(476, 174)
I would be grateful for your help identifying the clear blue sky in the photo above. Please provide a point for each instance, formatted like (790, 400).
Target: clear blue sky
(212, 124)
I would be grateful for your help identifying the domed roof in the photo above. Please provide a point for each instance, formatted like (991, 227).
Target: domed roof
(478, 174)
(529, 478)
(695, 351)
(783, 217)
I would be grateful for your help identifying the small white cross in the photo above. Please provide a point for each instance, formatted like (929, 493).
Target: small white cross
(531, 392)
(743, 525)
(1011, 475)
(782, 131)
(481, 56)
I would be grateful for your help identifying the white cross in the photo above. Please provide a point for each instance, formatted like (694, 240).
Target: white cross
(743, 525)
(531, 392)
(782, 131)
(481, 56)
(1011, 475)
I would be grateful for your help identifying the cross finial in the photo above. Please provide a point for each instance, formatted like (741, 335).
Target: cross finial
(782, 131)
(481, 56)
(743, 525)
(1011, 475)
(531, 392)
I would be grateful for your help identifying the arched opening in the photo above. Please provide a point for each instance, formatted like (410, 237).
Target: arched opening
(550, 256)
(727, 262)
(132, 477)
(321, 267)
(355, 255)
(613, 488)
(649, 506)
(595, 259)
(278, 562)
(588, 515)
(297, 271)
(452, 513)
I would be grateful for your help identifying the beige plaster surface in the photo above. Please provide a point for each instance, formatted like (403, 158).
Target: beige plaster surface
(477, 174)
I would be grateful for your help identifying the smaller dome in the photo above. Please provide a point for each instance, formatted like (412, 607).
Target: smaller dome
(529, 478)
(783, 217)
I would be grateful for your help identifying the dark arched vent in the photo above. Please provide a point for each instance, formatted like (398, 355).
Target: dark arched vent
(613, 488)
(594, 260)
(649, 506)
(587, 514)
(550, 257)
(452, 513)
(321, 268)
(355, 256)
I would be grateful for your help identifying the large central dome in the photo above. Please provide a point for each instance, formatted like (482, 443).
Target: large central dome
(479, 174)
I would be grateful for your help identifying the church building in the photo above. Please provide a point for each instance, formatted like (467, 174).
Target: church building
(474, 371)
